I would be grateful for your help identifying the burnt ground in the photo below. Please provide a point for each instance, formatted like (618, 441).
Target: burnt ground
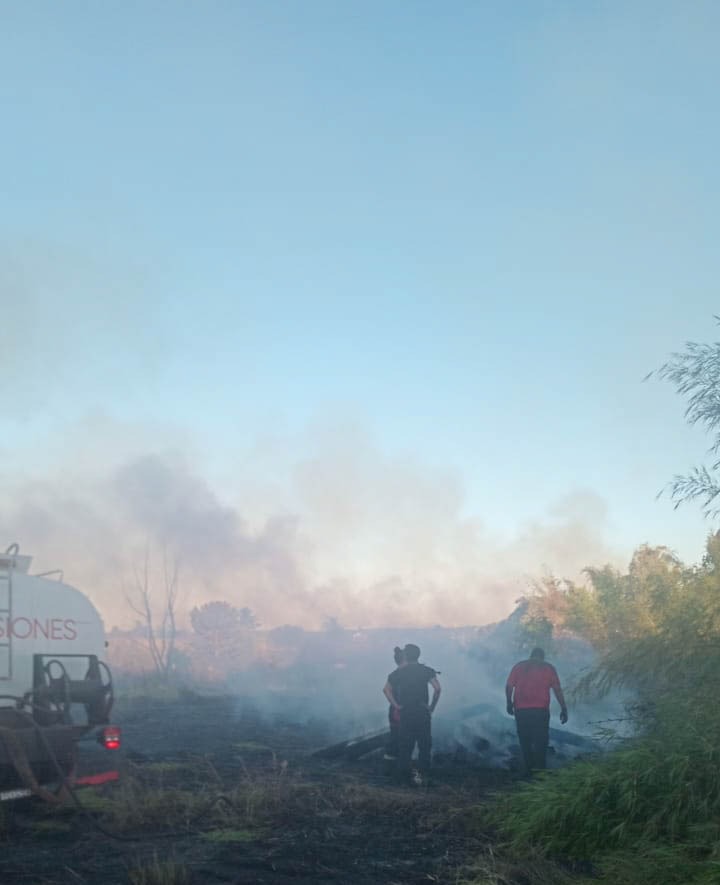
(213, 791)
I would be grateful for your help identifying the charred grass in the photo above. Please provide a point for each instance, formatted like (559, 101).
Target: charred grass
(257, 808)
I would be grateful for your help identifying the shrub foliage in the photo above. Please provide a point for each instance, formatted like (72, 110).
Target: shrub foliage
(650, 810)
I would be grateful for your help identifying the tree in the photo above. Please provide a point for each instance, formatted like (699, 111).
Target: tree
(611, 607)
(226, 636)
(248, 619)
(217, 623)
(157, 618)
(617, 608)
(695, 373)
(542, 614)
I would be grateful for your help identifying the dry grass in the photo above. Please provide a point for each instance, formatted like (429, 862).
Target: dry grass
(191, 798)
(159, 872)
(500, 867)
(274, 797)
(271, 802)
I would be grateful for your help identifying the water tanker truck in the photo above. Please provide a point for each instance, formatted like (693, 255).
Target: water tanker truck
(56, 692)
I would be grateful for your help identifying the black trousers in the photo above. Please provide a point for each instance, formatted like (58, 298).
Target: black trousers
(415, 728)
(533, 727)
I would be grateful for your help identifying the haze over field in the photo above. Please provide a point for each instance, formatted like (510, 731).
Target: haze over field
(349, 306)
(369, 540)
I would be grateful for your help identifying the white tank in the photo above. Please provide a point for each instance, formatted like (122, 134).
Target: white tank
(42, 616)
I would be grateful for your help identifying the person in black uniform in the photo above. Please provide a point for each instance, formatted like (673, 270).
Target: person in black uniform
(392, 749)
(408, 693)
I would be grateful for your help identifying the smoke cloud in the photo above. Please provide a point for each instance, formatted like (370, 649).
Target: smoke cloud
(354, 534)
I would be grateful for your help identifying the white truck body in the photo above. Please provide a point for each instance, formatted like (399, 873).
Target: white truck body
(55, 689)
(41, 615)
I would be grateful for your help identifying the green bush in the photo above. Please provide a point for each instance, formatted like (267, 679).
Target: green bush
(648, 812)
(643, 793)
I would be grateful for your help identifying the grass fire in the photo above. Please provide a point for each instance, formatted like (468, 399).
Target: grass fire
(359, 443)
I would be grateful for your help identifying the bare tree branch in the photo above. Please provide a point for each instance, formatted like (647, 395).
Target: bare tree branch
(141, 600)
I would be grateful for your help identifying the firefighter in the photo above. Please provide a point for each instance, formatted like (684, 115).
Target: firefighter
(527, 692)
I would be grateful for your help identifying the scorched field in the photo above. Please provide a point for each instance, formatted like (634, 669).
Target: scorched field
(214, 791)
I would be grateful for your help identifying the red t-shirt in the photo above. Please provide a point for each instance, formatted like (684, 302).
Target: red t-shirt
(532, 682)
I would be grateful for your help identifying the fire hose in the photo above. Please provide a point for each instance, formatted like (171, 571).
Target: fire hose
(21, 763)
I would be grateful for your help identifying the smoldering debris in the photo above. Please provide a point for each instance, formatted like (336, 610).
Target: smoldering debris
(477, 735)
(483, 735)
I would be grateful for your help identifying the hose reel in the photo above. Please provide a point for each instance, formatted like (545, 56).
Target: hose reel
(59, 692)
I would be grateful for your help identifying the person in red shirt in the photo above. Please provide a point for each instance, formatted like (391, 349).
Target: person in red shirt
(528, 699)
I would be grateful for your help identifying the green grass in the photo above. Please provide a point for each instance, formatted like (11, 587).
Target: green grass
(139, 807)
(639, 793)
(51, 828)
(646, 813)
(159, 872)
(94, 801)
(650, 863)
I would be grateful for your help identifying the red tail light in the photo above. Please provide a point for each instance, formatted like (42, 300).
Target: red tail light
(110, 738)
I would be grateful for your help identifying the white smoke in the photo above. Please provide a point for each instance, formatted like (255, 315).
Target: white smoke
(369, 539)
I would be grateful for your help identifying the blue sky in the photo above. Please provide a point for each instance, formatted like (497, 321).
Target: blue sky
(454, 235)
